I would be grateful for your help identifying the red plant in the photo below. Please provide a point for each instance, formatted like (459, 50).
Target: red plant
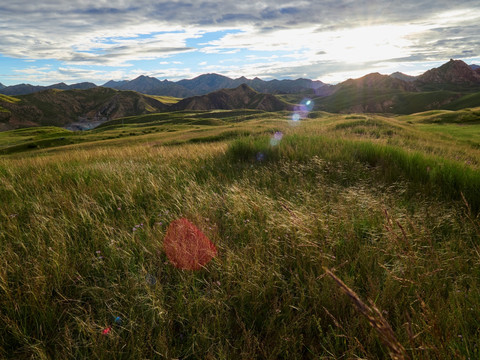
(186, 246)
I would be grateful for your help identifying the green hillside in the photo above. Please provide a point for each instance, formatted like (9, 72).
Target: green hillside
(66, 107)
(467, 101)
(395, 101)
(339, 236)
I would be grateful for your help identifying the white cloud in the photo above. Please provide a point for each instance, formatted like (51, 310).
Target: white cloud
(322, 38)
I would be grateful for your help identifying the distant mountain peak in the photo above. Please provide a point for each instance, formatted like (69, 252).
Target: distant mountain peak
(377, 81)
(145, 78)
(246, 88)
(241, 97)
(452, 72)
(401, 76)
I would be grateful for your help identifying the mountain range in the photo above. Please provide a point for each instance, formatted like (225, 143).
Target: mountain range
(207, 83)
(200, 85)
(24, 89)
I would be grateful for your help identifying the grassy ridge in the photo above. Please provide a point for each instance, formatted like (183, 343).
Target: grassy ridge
(9, 99)
(374, 199)
(166, 99)
(176, 127)
(448, 177)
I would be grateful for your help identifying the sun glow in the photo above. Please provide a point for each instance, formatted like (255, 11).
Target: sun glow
(372, 43)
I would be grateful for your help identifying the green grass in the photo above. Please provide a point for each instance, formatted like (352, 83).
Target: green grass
(376, 199)
(464, 116)
(396, 101)
(169, 100)
(467, 101)
(33, 138)
(176, 127)
(9, 99)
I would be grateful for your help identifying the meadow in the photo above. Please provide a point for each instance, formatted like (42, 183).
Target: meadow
(339, 237)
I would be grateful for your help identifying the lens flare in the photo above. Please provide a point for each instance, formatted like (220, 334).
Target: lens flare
(302, 110)
(150, 279)
(276, 138)
(260, 157)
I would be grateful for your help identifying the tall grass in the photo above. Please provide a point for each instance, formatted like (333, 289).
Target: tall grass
(423, 172)
(72, 262)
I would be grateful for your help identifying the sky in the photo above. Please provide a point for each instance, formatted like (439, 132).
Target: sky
(51, 41)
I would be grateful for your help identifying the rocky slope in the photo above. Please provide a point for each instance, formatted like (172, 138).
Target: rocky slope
(242, 97)
(453, 74)
(399, 93)
(377, 82)
(79, 107)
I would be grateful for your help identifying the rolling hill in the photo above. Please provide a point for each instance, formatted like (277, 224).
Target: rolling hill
(370, 93)
(77, 109)
(242, 97)
(444, 87)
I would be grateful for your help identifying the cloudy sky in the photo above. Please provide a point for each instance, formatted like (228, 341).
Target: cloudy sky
(49, 41)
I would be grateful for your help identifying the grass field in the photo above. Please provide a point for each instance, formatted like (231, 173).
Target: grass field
(342, 237)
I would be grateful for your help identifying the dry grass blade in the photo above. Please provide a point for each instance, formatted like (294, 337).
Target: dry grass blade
(376, 320)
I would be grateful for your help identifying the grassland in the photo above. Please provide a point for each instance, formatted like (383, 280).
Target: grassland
(389, 205)
(169, 100)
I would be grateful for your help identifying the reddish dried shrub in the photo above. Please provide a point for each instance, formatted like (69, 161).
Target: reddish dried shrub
(186, 246)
